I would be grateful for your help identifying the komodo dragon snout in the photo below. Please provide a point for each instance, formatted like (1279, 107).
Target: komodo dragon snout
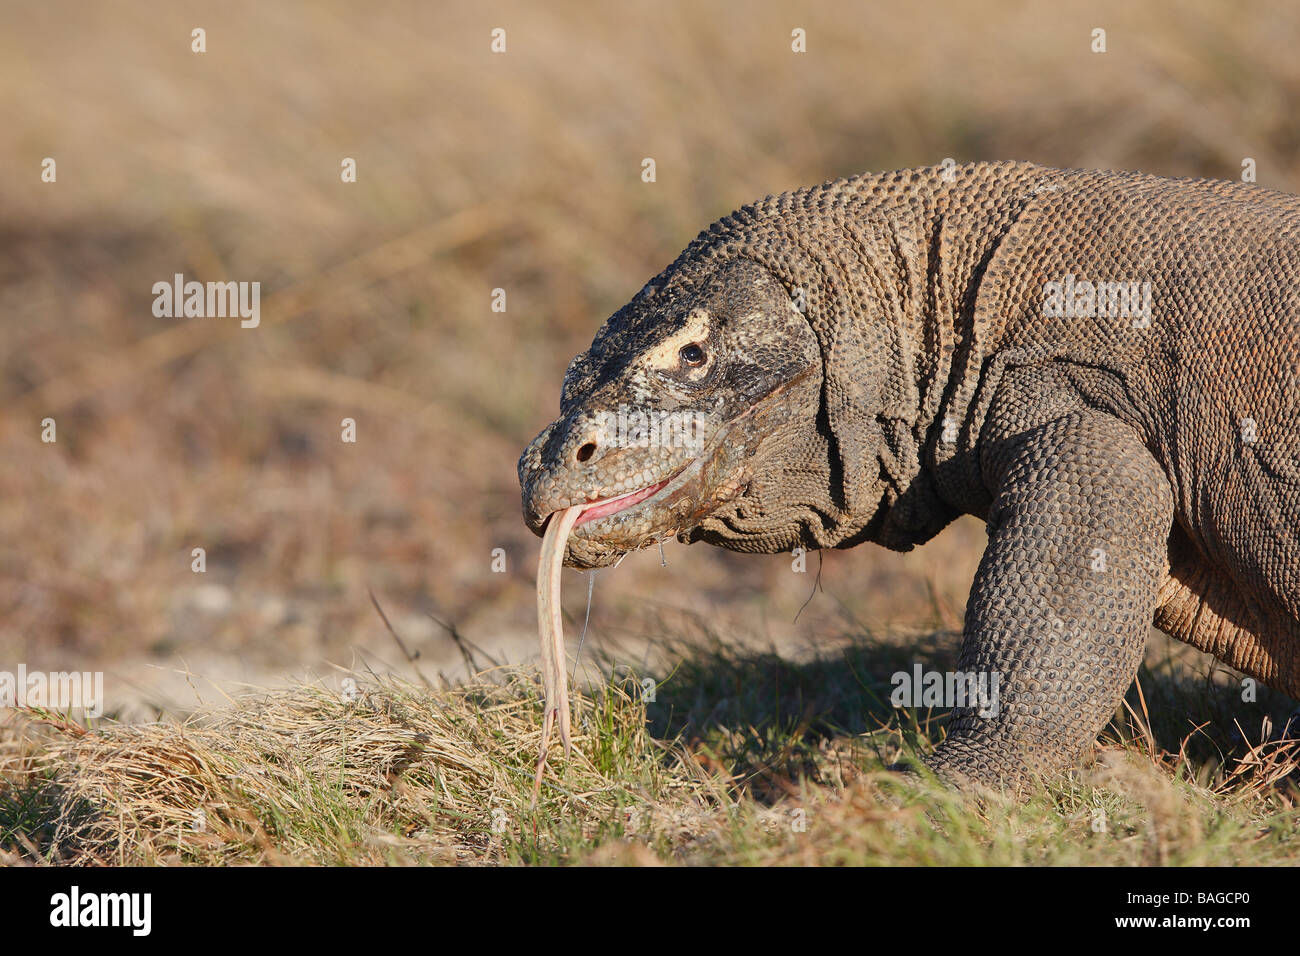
(674, 416)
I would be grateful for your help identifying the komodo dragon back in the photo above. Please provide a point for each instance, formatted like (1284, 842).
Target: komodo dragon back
(1101, 365)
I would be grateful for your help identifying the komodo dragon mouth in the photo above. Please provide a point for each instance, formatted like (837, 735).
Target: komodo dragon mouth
(609, 506)
(603, 507)
(608, 527)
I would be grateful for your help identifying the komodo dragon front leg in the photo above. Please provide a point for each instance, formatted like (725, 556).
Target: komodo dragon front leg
(1065, 592)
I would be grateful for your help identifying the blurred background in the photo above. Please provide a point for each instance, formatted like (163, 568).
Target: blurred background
(475, 171)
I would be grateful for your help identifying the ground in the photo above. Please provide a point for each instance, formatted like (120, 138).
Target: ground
(738, 758)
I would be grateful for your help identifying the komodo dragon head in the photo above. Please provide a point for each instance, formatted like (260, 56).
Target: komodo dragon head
(768, 390)
(681, 419)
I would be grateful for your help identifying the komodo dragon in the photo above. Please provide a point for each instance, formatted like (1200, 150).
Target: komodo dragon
(1102, 365)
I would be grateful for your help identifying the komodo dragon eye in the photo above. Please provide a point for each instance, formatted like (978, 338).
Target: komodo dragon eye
(692, 355)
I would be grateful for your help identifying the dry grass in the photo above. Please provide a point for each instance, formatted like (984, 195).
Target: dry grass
(762, 767)
(312, 775)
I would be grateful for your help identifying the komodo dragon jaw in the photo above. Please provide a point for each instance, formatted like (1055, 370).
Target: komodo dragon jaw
(672, 415)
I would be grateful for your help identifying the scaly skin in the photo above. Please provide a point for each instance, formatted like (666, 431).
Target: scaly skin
(867, 359)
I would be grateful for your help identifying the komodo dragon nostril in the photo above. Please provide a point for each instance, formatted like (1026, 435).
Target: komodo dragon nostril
(586, 451)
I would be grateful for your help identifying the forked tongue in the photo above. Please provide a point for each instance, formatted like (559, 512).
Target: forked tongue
(555, 681)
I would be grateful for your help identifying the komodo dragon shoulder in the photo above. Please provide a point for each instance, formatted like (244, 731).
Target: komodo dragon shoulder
(1102, 365)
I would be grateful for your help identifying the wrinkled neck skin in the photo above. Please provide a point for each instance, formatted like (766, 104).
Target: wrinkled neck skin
(891, 267)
